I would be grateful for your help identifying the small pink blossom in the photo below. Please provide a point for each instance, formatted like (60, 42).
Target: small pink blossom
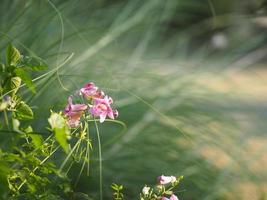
(163, 180)
(90, 91)
(74, 112)
(101, 108)
(173, 197)
(164, 198)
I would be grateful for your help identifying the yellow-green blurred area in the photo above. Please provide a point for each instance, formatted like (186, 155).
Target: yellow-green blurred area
(189, 78)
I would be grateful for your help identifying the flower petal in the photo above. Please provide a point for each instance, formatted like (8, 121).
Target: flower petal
(102, 118)
(110, 114)
(173, 197)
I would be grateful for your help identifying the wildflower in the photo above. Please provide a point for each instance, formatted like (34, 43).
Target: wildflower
(101, 108)
(145, 190)
(99, 94)
(164, 198)
(173, 197)
(74, 112)
(90, 91)
(163, 180)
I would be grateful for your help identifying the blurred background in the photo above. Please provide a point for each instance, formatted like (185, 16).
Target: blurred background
(188, 77)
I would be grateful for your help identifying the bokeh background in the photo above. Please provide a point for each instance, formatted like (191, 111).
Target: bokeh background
(188, 77)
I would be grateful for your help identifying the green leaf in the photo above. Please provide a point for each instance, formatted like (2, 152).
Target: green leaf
(61, 130)
(37, 139)
(15, 125)
(23, 111)
(20, 72)
(13, 85)
(114, 186)
(12, 55)
(2, 68)
(4, 171)
(33, 63)
(28, 129)
(169, 192)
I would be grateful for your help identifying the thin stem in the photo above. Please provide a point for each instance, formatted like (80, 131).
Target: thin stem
(88, 150)
(67, 171)
(6, 119)
(80, 173)
(100, 162)
(61, 42)
(71, 152)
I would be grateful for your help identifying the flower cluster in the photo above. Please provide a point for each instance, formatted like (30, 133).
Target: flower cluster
(164, 189)
(97, 105)
(163, 180)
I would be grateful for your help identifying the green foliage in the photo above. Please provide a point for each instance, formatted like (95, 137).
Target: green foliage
(4, 170)
(32, 176)
(117, 194)
(12, 85)
(25, 77)
(23, 111)
(25, 170)
(61, 129)
(17, 69)
(32, 63)
(163, 53)
(36, 138)
(12, 55)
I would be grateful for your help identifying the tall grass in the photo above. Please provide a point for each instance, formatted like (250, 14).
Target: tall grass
(193, 106)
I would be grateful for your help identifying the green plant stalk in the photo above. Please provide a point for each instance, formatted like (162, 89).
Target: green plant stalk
(61, 43)
(88, 150)
(100, 162)
(6, 119)
(70, 153)
(80, 173)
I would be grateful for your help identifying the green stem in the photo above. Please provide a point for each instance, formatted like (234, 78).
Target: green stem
(6, 119)
(100, 162)
(80, 173)
(70, 153)
(88, 150)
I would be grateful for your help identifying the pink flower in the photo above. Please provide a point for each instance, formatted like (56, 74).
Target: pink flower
(173, 197)
(101, 108)
(74, 112)
(163, 180)
(164, 198)
(90, 91)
